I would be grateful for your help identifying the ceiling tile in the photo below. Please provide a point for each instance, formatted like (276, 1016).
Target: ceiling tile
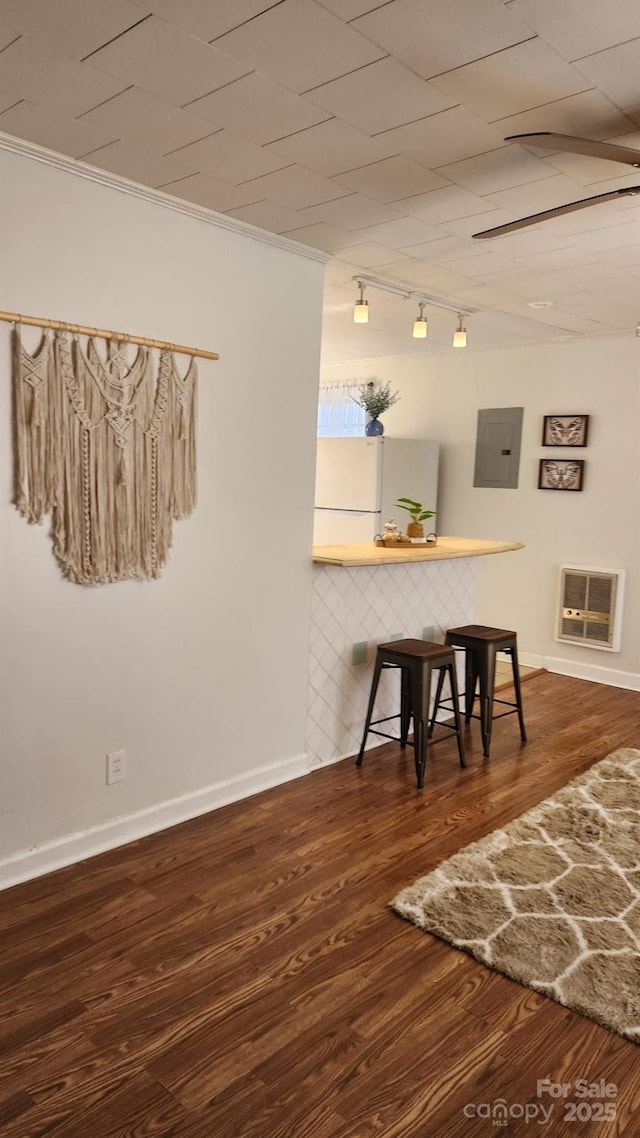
(526, 242)
(615, 72)
(7, 101)
(467, 226)
(228, 157)
(258, 109)
(611, 314)
(392, 179)
(399, 233)
(141, 117)
(585, 220)
(483, 262)
(32, 71)
(611, 237)
(168, 62)
(353, 212)
(205, 19)
(586, 171)
(446, 204)
(7, 36)
(369, 255)
(350, 9)
(382, 95)
(537, 286)
(448, 136)
(436, 278)
(267, 215)
(512, 165)
(442, 249)
(206, 191)
(73, 27)
(139, 165)
(587, 114)
(555, 259)
(513, 80)
(626, 181)
(622, 257)
(298, 188)
(538, 196)
(331, 148)
(580, 27)
(433, 38)
(299, 44)
(587, 277)
(47, 128)
(321, 236)
(565, 320)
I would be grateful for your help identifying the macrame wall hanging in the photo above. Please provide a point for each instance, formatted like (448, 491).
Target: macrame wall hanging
(105, 445)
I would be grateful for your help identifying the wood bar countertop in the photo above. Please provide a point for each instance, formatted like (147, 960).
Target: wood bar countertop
(367, 553)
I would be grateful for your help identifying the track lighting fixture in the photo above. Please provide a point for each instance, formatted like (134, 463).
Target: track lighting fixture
(420, 323)
(460, 335)
(361, 307)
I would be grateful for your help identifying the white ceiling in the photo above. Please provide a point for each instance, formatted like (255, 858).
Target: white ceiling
(371, 129)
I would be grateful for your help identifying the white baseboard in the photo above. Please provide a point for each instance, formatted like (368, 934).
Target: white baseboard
(581, 671)
(530, 660)
(31, 863)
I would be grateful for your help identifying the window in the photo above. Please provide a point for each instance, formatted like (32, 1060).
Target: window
(338, 413)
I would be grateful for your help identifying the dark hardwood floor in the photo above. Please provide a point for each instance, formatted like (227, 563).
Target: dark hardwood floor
(241, 975)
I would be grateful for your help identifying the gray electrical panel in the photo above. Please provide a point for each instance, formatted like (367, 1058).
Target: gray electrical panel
(498, 447)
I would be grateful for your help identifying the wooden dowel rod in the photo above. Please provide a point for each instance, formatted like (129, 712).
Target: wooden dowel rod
(105, 334)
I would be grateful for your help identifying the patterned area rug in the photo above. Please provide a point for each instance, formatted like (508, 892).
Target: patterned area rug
(553, 899)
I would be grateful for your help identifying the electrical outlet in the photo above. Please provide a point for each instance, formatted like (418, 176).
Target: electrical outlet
(359, 652)
(116, 767)
(428, 633)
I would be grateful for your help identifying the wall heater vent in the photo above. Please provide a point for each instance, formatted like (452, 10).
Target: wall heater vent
(590, 606)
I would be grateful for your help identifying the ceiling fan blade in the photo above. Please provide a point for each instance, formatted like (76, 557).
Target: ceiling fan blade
(587, 146)
(511, 226)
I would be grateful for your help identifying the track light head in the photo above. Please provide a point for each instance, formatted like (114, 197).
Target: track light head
(460, 335)
(361, 307)
(420, 324)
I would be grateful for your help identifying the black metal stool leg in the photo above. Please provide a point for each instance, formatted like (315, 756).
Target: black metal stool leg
(470, 683)
(456, 710)
(487, 685)
(372, 699)
(518, 690)
(436, 703)
(405, 705)
(420, 692)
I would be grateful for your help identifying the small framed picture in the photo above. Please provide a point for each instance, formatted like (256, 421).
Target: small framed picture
(561, 474)
(565, 430)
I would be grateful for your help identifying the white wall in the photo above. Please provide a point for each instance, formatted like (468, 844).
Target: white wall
(201, 675)
(441, 395)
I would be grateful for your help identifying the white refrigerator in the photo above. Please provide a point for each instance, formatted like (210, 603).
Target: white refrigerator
(359, 479)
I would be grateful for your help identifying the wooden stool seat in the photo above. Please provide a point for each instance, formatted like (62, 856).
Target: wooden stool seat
(481, 644)
(417, 660)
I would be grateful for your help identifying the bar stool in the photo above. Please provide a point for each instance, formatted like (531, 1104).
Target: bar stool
(417, 659)
(481, 645)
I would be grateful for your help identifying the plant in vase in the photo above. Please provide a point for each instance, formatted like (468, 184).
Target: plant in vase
(418, 515)
(375, 398)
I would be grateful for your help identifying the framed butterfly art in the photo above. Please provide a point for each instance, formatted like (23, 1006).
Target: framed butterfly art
(561, 474)
(565, 430)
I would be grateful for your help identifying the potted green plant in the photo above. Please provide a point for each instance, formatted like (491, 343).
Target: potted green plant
(418, 515)
(376, 398)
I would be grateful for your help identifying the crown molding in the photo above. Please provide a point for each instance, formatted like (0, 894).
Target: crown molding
(157, 197)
